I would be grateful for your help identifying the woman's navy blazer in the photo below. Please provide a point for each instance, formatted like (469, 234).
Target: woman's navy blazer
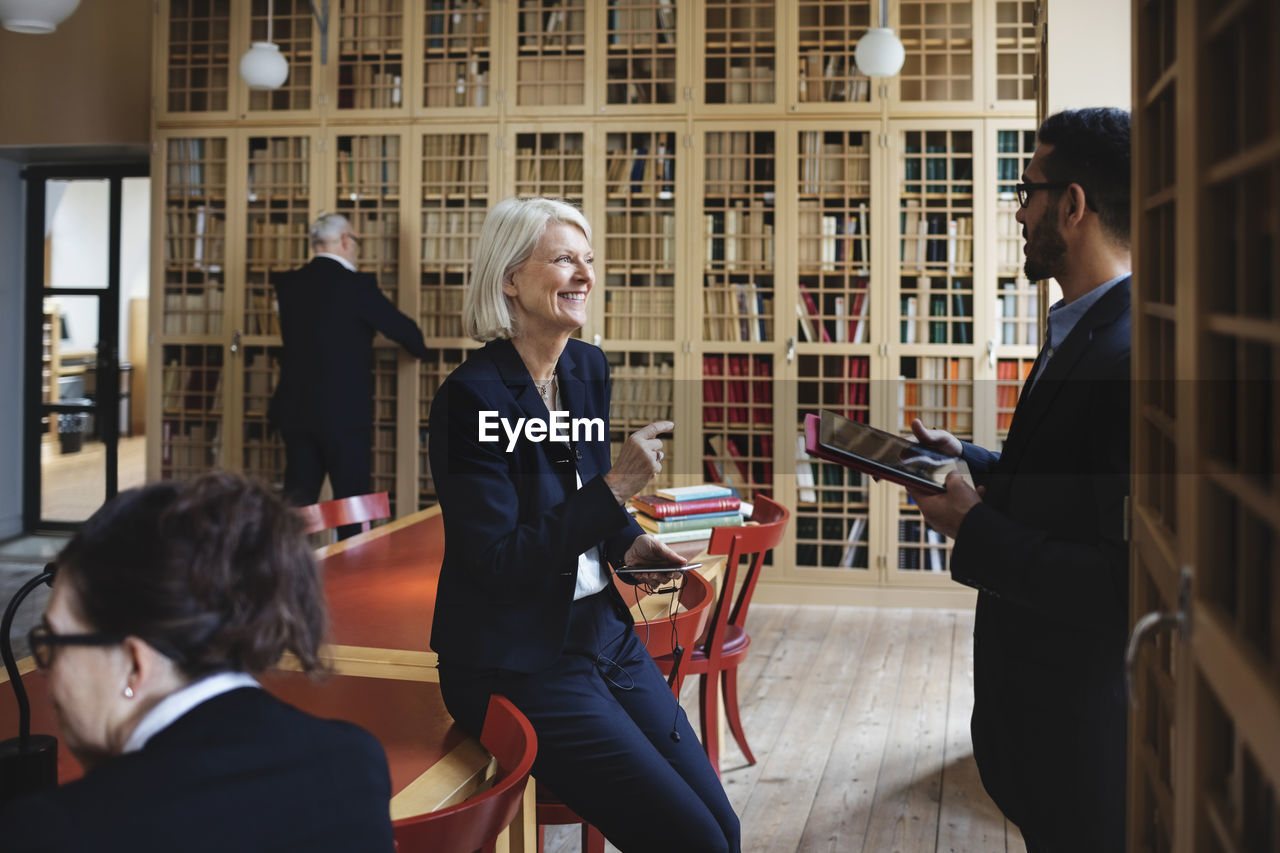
(514, 520)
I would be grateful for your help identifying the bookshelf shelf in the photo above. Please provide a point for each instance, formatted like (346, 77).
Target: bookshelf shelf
(762, 217)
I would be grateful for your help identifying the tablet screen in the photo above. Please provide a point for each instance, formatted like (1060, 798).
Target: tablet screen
(885, 454)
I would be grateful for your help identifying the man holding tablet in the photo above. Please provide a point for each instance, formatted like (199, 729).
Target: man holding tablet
(1042, 537)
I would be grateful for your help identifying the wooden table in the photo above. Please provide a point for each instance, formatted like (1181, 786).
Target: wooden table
(381, 590)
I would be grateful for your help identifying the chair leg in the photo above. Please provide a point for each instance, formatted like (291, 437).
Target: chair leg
(709, 718)
(592, 839)
(731, 712)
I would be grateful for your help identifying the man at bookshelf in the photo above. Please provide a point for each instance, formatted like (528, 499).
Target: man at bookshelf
(1042, 538)
(323, 405)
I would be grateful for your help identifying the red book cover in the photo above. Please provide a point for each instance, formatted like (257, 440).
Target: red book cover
(712, 390)
(763, 412)
(663, 508)
(812, 308)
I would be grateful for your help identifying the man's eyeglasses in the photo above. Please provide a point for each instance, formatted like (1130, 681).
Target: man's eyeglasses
(1026, 188)
(354, 239)
(43, 641)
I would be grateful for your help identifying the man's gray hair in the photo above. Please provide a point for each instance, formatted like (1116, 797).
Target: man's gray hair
(327, 228)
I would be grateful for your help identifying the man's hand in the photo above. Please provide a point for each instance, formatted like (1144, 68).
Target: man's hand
(647, 551)
(936, 439)
(946, 512)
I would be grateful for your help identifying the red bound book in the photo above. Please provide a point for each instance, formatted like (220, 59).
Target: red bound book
(663, 508)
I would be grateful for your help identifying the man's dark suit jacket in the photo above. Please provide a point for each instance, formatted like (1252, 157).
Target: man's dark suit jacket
(242, 771)
(328, 317)
(514, 522)
(1046, 551)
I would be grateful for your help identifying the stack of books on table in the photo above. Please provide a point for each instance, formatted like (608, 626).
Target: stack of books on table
(687, 512)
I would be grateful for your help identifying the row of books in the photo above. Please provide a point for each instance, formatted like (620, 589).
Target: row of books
(1008, 235)
(370, 25)
(845, 388)
(441, 312)
(939, 392)
(197, 311)
(457, 83)
(729, 158)
(191, 388)
(929, 551)
(833, 240)
(641, 394)
(456, 163)
(432, 375)
(261, 373)
(834, 77)
(277, 244)
(744, 84)
(196, 237)
(448, 235)
(739, 461)
(739, 237)
(1018, 312)
(837, 481)
(831, 541)
(1011, 375)
(642, 23)
(464, 21)
(639, 313)
(281, 162)
(260, 316)
(379, 234)
(366, 87)
(935, 238)
(638, 80)
(550, 80)
(736, 311)
(188, 447)
(196, 167)
(368, 166)
(842, 318)
(689, 510)
(954, 313)
(640, 237)
(834, 168)
(264, 458)
(745, 397)
(550, 165)
(558, 27)
(641, 174)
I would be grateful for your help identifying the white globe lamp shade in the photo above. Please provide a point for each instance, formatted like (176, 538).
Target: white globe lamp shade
(264, 66)
(879, 53)
(35, 16)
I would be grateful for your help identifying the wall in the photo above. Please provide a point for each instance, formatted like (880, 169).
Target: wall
(1088, 54)
(88, 83)
(12, 200)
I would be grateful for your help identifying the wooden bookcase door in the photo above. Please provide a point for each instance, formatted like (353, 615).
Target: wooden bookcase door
(1204, 751)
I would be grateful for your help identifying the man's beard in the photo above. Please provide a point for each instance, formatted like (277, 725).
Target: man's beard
(1046, 251)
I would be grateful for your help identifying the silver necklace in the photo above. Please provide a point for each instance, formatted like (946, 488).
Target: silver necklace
(544, 387)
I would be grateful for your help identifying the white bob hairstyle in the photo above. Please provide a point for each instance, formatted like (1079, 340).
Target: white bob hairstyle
(510, 232)
(327, 228)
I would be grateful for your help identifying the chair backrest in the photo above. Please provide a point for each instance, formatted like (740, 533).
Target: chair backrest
(697, 597)
(751, 542)
(474, 823)
(357, 509)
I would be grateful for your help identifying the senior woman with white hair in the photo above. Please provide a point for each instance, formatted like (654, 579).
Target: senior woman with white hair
(525, 606)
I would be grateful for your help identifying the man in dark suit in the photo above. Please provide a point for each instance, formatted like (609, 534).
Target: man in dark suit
(323, 405)
(1043, 542)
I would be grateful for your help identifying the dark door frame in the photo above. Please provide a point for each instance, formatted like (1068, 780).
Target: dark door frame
(107, 393)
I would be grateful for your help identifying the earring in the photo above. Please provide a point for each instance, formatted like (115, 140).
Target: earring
(128, 692)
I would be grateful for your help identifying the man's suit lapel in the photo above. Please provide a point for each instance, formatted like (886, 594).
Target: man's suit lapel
(1035, 405)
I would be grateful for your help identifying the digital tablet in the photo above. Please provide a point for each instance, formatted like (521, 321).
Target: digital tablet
(629, 570)
(881, 454)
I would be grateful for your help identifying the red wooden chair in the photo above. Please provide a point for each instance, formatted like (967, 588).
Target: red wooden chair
(475, 823)
(696, 597)
(357, 509)
(725, 645)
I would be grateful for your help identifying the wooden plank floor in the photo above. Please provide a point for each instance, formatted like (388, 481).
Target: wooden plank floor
(859, 721)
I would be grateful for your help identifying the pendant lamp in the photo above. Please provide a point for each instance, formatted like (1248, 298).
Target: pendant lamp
(263, 66)
(880, 52)
(37, 17)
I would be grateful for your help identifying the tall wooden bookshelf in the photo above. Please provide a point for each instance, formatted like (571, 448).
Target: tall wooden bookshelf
(1204, 761)
(775, 233)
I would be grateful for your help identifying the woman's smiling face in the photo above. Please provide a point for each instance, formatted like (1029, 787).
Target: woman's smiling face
(548, 292)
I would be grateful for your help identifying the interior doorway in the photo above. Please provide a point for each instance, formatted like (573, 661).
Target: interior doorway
(87, 280)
